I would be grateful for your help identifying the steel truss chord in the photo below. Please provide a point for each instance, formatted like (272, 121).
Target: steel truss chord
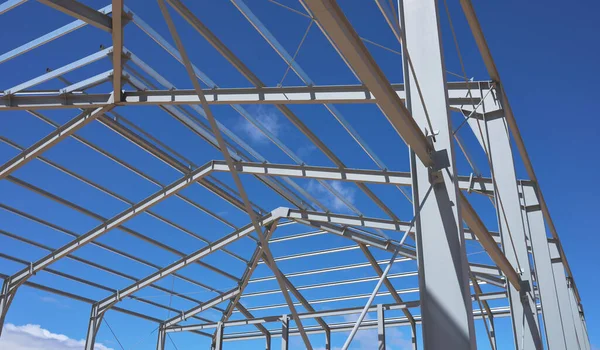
(78, 10)
(344, 94)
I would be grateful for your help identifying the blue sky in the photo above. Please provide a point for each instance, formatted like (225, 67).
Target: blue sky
(546, 57)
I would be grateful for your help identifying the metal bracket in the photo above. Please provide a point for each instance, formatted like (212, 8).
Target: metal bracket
(440, 161)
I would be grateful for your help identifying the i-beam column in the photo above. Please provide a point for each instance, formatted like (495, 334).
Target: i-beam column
(560, 283)
(494, 137)
(446, 307)
(555, 335)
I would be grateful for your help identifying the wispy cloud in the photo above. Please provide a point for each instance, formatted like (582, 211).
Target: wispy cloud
(306, 151)
(34, 337)
(52, 300)
(365, 339)
(268, 118)
(329, 199)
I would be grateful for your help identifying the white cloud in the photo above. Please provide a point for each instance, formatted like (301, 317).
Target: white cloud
(267, 118)
(306, 151)
(329, 199)
(365, 339)
(34, 337)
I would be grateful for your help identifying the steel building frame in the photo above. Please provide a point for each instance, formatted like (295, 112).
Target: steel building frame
(528, 268)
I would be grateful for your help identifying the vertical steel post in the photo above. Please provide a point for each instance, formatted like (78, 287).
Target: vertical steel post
(555, 336)
(162, 336)
(380, 327)
(446, 309)
(575, 311)
(285, 332)
(493, 134)
(219, 336)
(93, 327)
(560, 282)
(6, 297)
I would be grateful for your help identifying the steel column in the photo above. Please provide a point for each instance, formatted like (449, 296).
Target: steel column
(564, 300)
(285, 331)
(117, 39)
(6, 298)
(576, 313)
(380, 327)
(218, 343)
(446, 308)
(494, 136)
(162, 336)
(93, 327)
(553, 326)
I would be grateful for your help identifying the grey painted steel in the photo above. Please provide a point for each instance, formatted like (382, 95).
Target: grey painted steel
(343, 94)
(10, 4)
(494, 74)
(222, 146)
(162, 337)
(543, 271)
(53, 138)
(285, 328)
(103, 228)
(446, 308)
(346, 326)
(117, 24)
(44, 39)
(103, 305)
(494, 136)
(80, 11)
(564, 299)
(6, 297)
(581, 341)
(553, 274)
(380, 327)
(335, 25)
(219, 336)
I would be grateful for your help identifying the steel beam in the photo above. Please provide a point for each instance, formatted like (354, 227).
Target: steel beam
(494, 74)
(564, 300)
(10, 93)
(553, 326)
(334, 24)
(323, 313)
(234, 301)
(117, 25)
(380, 327)
(248, 74)
(218, 344)
(252, 264)
(105, 304)
(290, 95)
(446, 308)
(285, 327)
(46, 38)
(82, 12)
(21, 276)
(577, 318)
(494, 136)
(231, 166)
(10, 4)
(89, 301)
(53, 138)
(498, 312)
(342, 94)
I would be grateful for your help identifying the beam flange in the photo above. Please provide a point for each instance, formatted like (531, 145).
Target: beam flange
(82, 12)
